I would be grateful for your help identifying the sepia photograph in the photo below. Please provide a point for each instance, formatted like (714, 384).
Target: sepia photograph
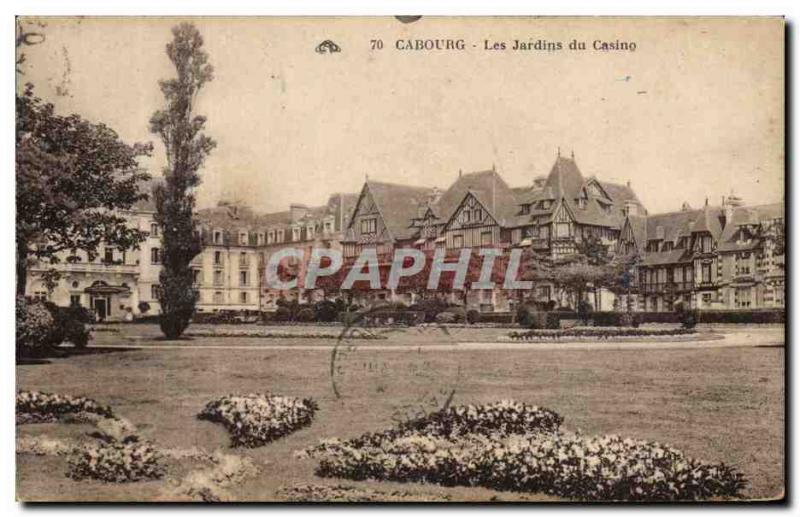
(400, 259)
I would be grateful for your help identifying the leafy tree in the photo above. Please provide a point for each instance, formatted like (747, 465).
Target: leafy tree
(186, 148)
(589, 268)
(72, 179)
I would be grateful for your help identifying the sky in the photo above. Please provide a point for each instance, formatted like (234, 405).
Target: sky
(695, 112)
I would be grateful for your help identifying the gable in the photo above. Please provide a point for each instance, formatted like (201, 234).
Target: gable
(367, 223)
(470, 213)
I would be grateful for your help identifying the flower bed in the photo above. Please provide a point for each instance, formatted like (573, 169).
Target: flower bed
(362, 334)
(596, 333)
(36, 407)
(116, 462)
(541, 459)
(256, 419)
(500, 418)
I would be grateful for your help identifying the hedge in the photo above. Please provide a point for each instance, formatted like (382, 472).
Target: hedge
(383, 317)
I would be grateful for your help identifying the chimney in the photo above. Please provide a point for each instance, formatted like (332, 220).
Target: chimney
(297, 211)
(685, 207)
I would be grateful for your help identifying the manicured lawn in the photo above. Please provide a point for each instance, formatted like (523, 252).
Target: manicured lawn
(715, 404)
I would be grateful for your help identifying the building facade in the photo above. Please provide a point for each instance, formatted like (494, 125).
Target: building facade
(725, 257)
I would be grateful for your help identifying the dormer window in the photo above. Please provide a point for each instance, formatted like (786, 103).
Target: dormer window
(217, 237)
(581, 202)
(327, 228)
(310, 231)
(295, 234)
(525, 209)
(243, 238)
(280, 235)
(260, 238)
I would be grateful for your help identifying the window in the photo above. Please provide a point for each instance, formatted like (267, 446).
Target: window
(477, 215)
(581, 202)
(75, 284)
(218, 297)
(217, 258)
(562, 229)
(271, 237)
(310, 231)
(243, 238)
(243, 297)
(153, 229)
(369, 226)
(706, 299)
(486, 238)
(217, 237)
(218, 277)
(706, 244)
(328, 228)
(108, 258)
(525, 209)
(244, 259)
(280, 235)
(196, 278)
(260, 238)
(243, 278)
(466, 216)
(458, 241)
(75, 300)
(706, 273)
(545, 204)
(743, 297)
(155, 256)
(154, 290)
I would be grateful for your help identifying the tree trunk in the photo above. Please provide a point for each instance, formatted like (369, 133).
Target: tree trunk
(22, 266)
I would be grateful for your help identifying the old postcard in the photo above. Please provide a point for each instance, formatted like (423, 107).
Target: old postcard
(400, 259)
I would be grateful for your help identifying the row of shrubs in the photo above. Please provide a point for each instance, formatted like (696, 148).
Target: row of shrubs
(530, 458)
(42, 325)
(597, 333)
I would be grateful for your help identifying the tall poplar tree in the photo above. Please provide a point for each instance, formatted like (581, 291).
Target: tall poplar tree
(186, 149)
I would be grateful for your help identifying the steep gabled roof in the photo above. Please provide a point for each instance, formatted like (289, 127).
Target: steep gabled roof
(398, 205)
(566, 182)
(747, 215)
(489, 188)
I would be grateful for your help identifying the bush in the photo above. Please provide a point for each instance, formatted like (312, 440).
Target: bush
(500, 318)
(283, 314)
(256, 419)
(449, 317)
(70, 325)
(687, 316)
(35, 327)
(325, 311)
(615, 319)
(584, 310)
(473, 316)
(431, 307)
(37, 406)
(305, 315)
(117, 462)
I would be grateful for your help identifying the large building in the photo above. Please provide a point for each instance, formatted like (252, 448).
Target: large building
(117, 284)
(711, 258)
(715, 257)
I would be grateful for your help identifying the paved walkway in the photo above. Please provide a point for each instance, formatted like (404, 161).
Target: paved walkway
(755, 337)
